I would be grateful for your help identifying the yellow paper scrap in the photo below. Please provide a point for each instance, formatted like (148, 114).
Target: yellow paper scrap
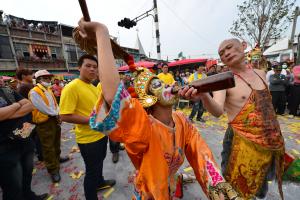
(65, 139)
(34, 171)
(188, 169)
(270, 182)
(50, 197)
(56, 184)
(290, 137)
(298, 141)
(108, 193)
(221, 142)
(295, 152)
(76, 175)
(74, 149)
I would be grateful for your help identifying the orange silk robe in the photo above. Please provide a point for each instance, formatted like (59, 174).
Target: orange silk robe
(156, 150)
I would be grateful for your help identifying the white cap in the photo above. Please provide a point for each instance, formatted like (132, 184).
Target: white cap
(42, 73)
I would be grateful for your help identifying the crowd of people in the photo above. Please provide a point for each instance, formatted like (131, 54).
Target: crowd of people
(137, 110)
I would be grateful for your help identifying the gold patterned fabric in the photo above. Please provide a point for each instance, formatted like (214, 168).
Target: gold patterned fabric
(257, 140)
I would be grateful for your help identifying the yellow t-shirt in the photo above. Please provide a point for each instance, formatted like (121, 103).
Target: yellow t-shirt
(79, 97)
(192, 77)
(166, 78)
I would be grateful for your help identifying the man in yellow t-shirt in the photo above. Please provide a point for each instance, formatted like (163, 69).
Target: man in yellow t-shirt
(198, 106)
(76, 104)
(166, 77)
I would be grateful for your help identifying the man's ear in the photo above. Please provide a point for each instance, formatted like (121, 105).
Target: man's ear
(244, 44)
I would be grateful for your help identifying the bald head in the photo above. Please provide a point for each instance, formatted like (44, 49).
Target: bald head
(231, 52)
(231, 40)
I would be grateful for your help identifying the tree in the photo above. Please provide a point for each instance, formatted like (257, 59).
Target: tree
(260, 21)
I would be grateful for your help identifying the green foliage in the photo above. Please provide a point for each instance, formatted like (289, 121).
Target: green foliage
(259, 21)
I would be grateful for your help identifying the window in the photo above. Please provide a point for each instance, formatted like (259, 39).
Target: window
(71, 52)
(55, 52)
(22, 50)
(5, 50)
(80, 52)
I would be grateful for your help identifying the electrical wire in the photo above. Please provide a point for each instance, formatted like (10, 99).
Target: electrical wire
(187, 25)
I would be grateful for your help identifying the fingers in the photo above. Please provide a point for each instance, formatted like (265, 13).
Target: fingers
(183, 91)
(189, 93)
(82, 34)
(194, 92)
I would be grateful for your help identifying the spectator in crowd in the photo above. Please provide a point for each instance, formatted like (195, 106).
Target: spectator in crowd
(25, 81)
(178, 78)
(270, 72)
(219, 68)
(46, 118)
(198, 106)
(76, 104)
(290, 79)
(13, 84)
(295, 92)
(165, 76)
(278, 83)
(16, 151)
(57, 88)
(212, 70)
(25, 85)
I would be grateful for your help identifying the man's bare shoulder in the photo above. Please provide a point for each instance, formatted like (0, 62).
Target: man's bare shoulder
(261, 73)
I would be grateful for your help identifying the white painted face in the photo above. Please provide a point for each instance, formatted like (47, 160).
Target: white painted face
(162, 92)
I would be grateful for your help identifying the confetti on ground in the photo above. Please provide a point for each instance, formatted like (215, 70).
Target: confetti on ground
(290, 137)
(76, 175)
(108, 193)
(50, 197)
(65, 139)
(298, 141)
(74, 149)
(188, 169)
(295, 152)
(34, 171)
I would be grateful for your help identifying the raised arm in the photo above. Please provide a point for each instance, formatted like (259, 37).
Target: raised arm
(108, 73)
(213, 105)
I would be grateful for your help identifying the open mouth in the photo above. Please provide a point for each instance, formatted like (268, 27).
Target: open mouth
(167, 94)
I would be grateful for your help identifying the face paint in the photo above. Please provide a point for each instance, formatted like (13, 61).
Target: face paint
(163, 93)
(255, 58)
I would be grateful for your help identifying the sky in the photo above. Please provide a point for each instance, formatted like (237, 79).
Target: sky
(194, 27)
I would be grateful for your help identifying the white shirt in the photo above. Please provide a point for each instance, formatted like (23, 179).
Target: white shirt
(39, 103)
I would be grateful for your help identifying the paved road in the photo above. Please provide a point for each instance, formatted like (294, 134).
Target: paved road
(212, 131)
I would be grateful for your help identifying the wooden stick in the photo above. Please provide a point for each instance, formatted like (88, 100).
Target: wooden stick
(212, 83)
(84, 10)
(118, 51)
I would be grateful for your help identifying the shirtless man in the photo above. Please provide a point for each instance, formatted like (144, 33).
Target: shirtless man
(253, 142)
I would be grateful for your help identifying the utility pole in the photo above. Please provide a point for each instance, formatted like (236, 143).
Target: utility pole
(156, 29)
(291, 41)
(298, 51)
(296, 14)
